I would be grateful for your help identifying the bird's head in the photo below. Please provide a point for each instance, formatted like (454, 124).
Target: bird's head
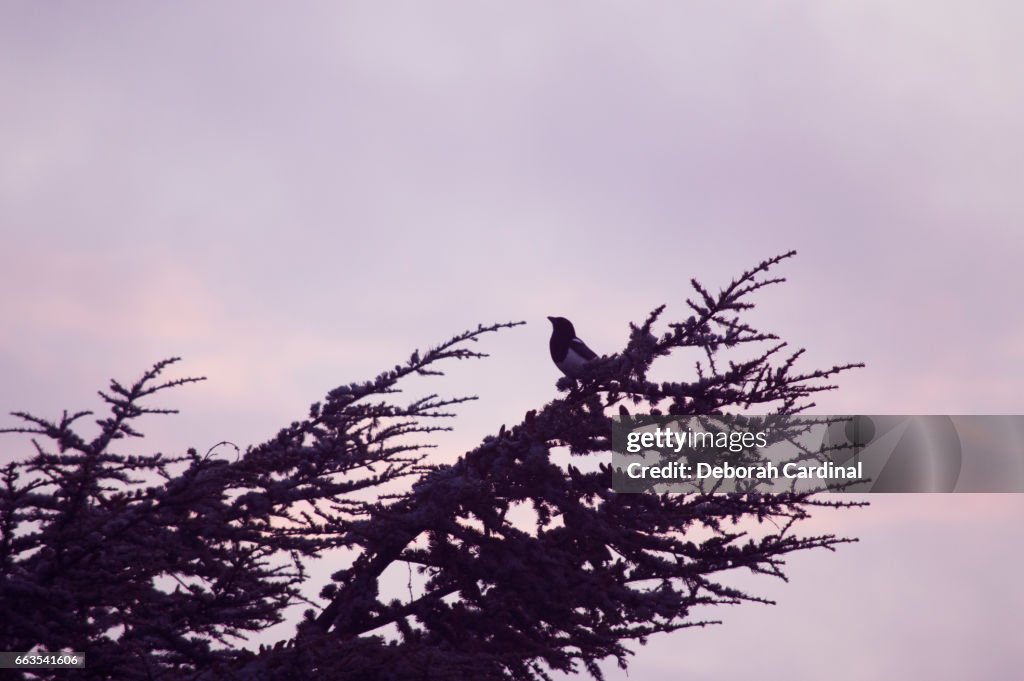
(562, 325)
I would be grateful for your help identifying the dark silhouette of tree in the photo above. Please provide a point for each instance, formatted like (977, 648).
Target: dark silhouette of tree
(157, 567)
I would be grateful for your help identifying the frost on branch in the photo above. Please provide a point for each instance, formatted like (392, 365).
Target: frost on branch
(158, 566)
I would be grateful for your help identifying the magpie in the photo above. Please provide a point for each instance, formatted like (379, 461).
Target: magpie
(569, 353)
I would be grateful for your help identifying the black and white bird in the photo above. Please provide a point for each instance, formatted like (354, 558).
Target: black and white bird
(569, 353)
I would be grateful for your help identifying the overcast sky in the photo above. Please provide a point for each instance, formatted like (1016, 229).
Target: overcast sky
(296, 195)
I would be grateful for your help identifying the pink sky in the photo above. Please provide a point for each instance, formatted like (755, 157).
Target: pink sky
(294, 196)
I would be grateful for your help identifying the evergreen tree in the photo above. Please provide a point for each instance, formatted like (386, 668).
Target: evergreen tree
(158, 567)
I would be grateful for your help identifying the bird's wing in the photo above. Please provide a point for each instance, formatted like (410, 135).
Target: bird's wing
(581, 349)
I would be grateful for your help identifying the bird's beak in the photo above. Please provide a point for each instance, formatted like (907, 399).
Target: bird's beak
(551, 319)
